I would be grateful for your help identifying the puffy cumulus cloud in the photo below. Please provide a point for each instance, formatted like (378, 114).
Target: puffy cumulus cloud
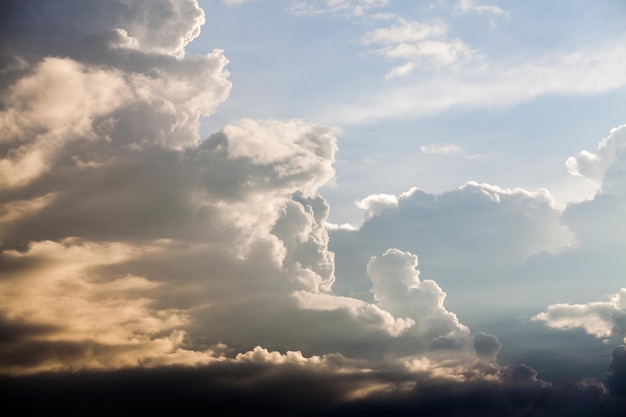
(424, 44)
(411, 311)
(89, 58)
(359, 311)
(603, 165)
(293, 146)
(414, 322)
(601, 318)
(374, 203)
(477, 231)
(396, 288)
(161, 27)
(597, 223)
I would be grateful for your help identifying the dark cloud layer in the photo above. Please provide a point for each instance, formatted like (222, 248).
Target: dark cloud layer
(284, 390)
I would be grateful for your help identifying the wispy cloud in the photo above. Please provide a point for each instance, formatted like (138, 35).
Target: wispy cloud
(440, 149)
(422, 44)
(473, 6)
(502, 84)
(344, 7)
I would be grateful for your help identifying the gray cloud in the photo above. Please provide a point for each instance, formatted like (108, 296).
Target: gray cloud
(487, 346)
(616, 373)
(479, 232)
(249, 385)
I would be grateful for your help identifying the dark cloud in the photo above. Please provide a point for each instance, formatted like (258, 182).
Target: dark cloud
(285, 390)
(616, 373)
(487, 346)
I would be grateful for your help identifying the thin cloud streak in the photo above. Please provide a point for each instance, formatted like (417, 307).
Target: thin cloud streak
(499, 85)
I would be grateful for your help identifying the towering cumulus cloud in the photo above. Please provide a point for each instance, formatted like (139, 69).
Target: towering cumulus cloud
(120, 228)
(127, 240)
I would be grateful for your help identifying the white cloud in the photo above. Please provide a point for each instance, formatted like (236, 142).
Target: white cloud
(405, 32)
(401, 71)
(362, 312)
(424, 44)
(396, 288)
(472, 6)
(232, 3)
(343, 7)
(405, 307)
(598, 223)
(433, 148)
(502, 84)
(594, 166)
(600, 319)
(377, 202)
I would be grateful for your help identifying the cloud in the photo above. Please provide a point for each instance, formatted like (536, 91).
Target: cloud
(458, 232)
(600, 319)
(265, 218)
(232, 3)
(122, 230)
(472, 6)
(424, 44)
(401, 70)
(487, 346)
(396, 288)
(502, 83)
(408, 309)
(133, 253)
(440, 149)
(341, 7)
(126, 240)
(595, 166)
(311, 387)
(598, 222)
(616, 373)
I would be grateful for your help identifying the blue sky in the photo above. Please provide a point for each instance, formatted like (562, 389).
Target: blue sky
(361, 204)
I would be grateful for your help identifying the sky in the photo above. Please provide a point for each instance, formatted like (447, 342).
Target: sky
(313, 207)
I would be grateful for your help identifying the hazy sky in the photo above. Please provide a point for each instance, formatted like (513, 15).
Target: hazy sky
(334, 207)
